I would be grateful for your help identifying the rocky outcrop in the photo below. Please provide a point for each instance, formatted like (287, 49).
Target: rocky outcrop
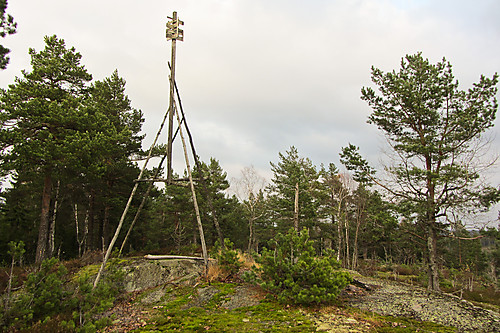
(141, 274)
(375, 295)
(398, 299)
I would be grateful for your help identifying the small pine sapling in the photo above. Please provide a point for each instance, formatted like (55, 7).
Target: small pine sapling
(227, 258)
(293, 272)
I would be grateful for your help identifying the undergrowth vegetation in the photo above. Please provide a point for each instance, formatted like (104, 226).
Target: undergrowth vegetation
(183, 312)
(293, 272)
(228, 260)
(294, 284)
(53, 300)
(187, 309)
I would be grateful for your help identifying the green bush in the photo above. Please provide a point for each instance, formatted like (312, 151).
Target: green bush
(48, 297)
(42, 297)
(89, 303)
(293, 272)
(227, 257)
(45, 293)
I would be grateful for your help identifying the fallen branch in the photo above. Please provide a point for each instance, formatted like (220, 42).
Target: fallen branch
(361, 284)
(161, 256)
(464, 238)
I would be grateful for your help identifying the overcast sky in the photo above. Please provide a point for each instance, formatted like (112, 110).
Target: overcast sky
(258, 76)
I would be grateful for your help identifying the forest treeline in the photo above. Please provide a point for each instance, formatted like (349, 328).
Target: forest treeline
(69, 145)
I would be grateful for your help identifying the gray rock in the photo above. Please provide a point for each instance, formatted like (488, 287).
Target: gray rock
(143, 274)
(398, 299)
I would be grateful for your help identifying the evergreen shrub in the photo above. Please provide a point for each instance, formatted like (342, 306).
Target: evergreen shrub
(49, 295)
(227, 258)
(293, 272)
(46, 294)
(89, 303)
(42, 297)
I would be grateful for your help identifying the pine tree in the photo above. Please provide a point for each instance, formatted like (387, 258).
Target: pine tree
(294, 273)
(41, 113)
(7, 27)
(111, 138)
(294, 192)
(435, 130)
(223, 213)
(72, 142)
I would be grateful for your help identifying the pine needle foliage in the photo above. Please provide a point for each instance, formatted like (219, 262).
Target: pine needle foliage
(292, 271)
(227, 257)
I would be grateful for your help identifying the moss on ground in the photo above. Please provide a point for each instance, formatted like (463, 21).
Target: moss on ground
(186, 309)
(93, 269)
(180, 312)
(407, 325)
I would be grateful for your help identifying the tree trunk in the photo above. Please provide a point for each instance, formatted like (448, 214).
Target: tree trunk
(105, 227)
(250, 237)
(492, 272)
(339, 226)
(79, 238)
(296, 208)
(178, 234)
(212, 209)
(431, 230)
(347, 252)
(43, 230)
(355, 250)
(195, 239)
(52, 227)
(91, 236)
(339, 237)
(85, 237)
(9, 285)
(432, 256)
(361, 204)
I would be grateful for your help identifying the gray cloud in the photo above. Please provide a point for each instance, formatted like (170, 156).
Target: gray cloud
(259, 76)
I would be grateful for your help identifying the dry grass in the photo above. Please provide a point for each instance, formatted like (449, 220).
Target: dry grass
(247, 261)
(214, 272)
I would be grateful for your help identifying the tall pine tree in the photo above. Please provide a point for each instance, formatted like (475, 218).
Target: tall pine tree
(41, 114)
(435, 130)
(7, 27)
(294, 191)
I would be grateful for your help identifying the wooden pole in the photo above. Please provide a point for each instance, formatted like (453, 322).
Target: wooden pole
(146, 195)
(195, 202)
(127, 206)
(172, 27)
(296, 208)
(173, 33)
(198, 165)
(144, 198)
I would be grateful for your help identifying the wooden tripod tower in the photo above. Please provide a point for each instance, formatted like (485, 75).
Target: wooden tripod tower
(173, 33)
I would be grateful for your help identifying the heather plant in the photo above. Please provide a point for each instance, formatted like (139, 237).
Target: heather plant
(292, 271)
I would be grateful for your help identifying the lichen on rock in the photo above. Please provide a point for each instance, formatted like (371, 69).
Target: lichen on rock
(141, 274)
(402, 300)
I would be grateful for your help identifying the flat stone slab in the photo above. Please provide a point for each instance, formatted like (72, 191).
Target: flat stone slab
(399, 299)
(141, 274)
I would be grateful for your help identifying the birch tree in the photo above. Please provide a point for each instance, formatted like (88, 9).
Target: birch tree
(249, 190)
